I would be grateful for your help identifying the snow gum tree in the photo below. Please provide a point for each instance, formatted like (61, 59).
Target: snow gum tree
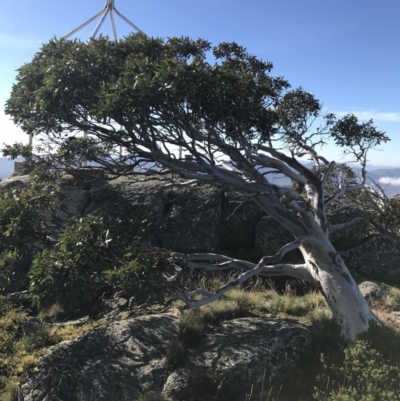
(237, 121)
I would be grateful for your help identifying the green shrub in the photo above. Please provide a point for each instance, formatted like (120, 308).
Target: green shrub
(10, 322)
(141, 272)
(68, 273)
(14, 266)
(92, 254)
(30, 216)
(367, 369)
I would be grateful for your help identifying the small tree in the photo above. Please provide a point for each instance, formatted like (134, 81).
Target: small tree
(234, 118)
(31, 216)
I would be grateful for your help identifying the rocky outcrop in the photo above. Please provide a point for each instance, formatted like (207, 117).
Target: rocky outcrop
(393, 277)
(271, 236)
(373, 290)
(114, 362)
(76, 194)
(375, 258)
(239, 223)
(345, 214)
(349, 235)
(349, 226)
(192, 222)
(383, 296)
(234, 358)
(124, 359)
(15, 182)
(204, 218)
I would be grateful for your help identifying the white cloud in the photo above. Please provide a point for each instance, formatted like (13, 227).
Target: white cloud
(372, 114)
(9, 132)
(389, 181)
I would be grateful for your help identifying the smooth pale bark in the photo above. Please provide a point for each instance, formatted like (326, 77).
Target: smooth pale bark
(349, 308)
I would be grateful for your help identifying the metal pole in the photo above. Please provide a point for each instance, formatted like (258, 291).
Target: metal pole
(127, 21)
(113, 25)
(108, 8)
(99, 24)
(84, 24)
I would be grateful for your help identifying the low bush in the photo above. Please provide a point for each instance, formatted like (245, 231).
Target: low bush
(30, 216)
(368, 369)
(93, 255)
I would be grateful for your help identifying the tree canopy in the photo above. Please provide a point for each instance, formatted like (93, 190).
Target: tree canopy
(237, 121)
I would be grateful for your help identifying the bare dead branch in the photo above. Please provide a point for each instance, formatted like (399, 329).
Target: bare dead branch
(266, 264)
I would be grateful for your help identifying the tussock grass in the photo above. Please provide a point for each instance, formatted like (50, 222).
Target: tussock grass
(70, 332)
(28, 362)
(36, 339)
(384, 316)
(174, 354)
(384, 306)
(191, 326)
(21, 345)
(256, 301)
(55, 311)
(393, 298)
(10, 391)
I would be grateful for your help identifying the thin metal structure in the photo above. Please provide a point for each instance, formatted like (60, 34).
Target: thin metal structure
(109, 9)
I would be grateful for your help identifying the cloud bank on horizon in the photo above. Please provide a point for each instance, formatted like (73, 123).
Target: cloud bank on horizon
(390, 181)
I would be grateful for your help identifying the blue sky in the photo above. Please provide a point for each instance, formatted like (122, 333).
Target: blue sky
(344, 52)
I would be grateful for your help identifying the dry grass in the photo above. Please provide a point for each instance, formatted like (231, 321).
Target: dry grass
(21, 347)
(393, 299)
(257, 302)
(385, 317)
(70, 332)
(28, 362)
(10, 391)
(53, 312)
(174, 353)
(383, 307)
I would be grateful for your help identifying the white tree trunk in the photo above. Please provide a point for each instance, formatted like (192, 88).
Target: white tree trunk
(350, 310)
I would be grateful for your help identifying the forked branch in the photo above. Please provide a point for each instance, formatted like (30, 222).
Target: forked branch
(264, 267)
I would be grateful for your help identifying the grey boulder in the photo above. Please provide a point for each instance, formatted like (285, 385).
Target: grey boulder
(237, 355)
(122, 360)
(373, 290)
(115, 362)
(375, 258)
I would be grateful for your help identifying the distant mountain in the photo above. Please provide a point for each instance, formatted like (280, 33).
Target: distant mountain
(388, 177)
